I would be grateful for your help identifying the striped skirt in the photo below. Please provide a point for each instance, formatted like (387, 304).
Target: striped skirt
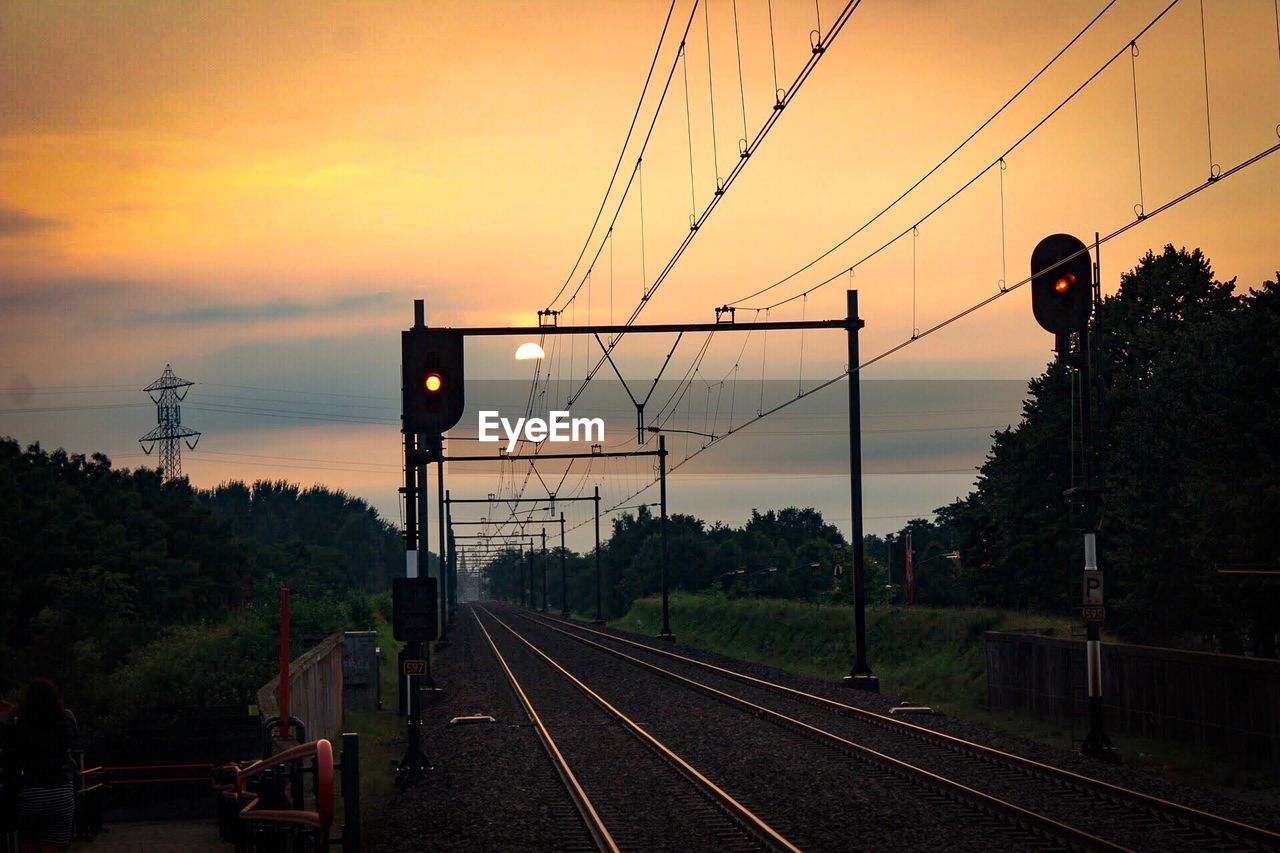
(46, 814)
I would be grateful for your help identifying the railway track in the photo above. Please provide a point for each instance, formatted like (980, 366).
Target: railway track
(839, 799)
(645, 797)
(1082, 809)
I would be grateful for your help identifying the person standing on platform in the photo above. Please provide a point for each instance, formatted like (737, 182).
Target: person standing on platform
(41, 738)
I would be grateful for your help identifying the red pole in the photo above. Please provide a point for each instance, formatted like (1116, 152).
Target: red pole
(284, 661)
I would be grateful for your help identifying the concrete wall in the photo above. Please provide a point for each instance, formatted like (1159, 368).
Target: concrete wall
(1227, 703)
(315, 690)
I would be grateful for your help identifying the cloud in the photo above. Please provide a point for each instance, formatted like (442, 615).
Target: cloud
(115, 299)
(15, 222)
(61, 294)
(274, 309)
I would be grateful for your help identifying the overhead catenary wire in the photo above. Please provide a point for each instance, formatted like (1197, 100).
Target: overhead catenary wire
(963, 143)
(711, 94)
(786, 98)
(688, 126)
(626, 190)
(1004, 255)
(621, 154)
(967, 184)
(852, 370)
(1140, 209)
(1002, 165)
(1208, 120)
(782, 99)
(742, 88)
(773, 54)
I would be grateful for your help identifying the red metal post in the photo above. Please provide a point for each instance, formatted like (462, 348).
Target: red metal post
(284, 661)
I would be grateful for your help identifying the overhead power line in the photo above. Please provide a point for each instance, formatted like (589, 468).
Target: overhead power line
(626, 190)
(783, 100)
(622, 153)
(954, 151)
(913, 228)
(1212, 180)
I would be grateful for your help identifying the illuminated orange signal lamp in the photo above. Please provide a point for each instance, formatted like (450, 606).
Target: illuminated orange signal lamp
(432, 380)
(1061, 284)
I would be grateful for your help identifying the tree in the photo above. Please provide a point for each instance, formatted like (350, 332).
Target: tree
(1189, 412)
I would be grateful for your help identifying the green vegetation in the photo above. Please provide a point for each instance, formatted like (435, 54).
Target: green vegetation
(928, 655)
(144, 599)
(381, 732)
(785, 553)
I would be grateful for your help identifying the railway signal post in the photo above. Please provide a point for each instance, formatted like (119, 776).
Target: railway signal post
(432, 401)
(599, 620)
(1064, 298)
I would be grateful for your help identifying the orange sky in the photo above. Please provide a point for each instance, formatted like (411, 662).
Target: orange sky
(238, 187)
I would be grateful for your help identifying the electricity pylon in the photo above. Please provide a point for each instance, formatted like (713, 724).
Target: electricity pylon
(169, 431)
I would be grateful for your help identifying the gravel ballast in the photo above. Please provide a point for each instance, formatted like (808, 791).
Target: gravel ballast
(493, 787)
(1119, 823)
(819, 798)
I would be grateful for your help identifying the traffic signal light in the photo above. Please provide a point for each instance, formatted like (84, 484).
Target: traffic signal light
(1061, 292)
(432, 377)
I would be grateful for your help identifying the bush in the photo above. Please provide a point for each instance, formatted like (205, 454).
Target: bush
(359, 613)
(382, 602)
(206, 666)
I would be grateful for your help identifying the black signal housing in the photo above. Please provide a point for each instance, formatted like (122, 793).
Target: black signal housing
(1061, 289)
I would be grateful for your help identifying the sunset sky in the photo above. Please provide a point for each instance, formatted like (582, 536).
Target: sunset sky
(256, 192)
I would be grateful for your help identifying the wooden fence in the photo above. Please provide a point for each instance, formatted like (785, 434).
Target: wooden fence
(315, 690)
(1226, 703)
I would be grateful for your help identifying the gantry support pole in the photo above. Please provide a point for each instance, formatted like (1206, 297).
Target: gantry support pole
(544, 570)
(665, 634)
(860, 676)
(564, 587)
(599, 602)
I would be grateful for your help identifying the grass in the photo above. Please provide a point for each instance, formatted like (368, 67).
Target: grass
(917, 656)
(379, 729)
(924, 655)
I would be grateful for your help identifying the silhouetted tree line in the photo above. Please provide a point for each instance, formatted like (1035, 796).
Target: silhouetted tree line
(140, 597)
(786, 553)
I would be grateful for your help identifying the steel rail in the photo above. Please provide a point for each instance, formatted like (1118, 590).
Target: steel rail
(1186, 815)
(586, 810)
(1011, 813)
(748, 820)
(1234, 830)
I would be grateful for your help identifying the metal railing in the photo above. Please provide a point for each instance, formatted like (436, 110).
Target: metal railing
(96, 782)
(268, 805)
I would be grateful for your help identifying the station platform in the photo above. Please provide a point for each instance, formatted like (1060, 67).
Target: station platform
(145, 836)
